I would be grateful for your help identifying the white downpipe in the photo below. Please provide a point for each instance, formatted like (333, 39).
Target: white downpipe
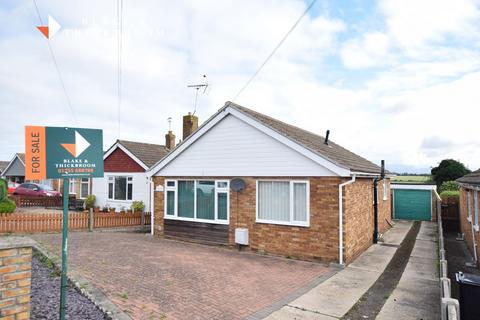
(340, 218)
(152, 206)
(475, 213)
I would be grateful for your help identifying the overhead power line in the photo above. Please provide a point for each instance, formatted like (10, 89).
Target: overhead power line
(57, 68)
(119, 59)
(274, 50)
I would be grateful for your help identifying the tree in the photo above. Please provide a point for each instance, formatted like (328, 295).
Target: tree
(448, 170)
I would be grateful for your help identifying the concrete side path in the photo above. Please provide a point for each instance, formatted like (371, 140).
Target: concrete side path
(417, 295)
(334, 297)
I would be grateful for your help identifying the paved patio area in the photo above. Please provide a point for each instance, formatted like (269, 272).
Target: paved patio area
(152, 278)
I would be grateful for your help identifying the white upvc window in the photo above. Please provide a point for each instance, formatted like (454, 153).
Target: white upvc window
(197, 200)
(475, 205)
(120, 188)
(469, 206)
(71, 186)
(385, 190)
(283, 202)
(84, 187)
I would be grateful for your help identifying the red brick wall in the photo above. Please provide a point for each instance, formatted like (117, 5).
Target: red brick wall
(15, 276)
(358, 216)
(119, 161)
(465, 225)
(320, 240)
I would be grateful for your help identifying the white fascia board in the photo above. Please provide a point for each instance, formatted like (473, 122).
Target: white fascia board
(131, 155)
(20, 159)
(465, 185)
(180, 148)
(404, 186)
(340, 171)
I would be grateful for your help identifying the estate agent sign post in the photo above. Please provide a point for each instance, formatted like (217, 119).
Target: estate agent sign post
(57, 152)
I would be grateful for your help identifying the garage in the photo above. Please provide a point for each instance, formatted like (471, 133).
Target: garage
(412, 202)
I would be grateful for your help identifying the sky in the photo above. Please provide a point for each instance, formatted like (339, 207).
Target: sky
(397, 80)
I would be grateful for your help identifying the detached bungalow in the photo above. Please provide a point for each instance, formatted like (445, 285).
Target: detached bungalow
(469, 207)
(246, 178)
(125, 180)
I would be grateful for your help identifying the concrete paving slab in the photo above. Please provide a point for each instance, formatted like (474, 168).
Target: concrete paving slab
(293, 313)
(425, 249)
(395, 235)
(376, 258)
(428, 231)
(413, 299)
(349, 284)
(421, 268)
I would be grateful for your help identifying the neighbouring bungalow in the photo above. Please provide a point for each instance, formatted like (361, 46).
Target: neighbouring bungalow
(125, 180)
(246, 178)
(15, 171)
(469, 202)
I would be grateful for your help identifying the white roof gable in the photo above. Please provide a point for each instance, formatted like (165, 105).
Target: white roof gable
(230, 144)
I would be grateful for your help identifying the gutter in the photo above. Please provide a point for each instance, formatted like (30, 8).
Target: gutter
(340, 218)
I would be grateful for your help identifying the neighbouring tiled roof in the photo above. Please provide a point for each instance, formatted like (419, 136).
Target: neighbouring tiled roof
(332, 152)
(148, 153)
(3, 165)
(471, 178)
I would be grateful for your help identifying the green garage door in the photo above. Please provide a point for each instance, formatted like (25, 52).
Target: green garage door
(413, 204)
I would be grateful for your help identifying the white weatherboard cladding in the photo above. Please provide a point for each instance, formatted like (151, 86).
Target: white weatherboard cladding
(235, 148)
(141, 190)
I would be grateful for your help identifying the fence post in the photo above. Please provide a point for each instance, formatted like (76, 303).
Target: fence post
(142, 220)
(90, 220)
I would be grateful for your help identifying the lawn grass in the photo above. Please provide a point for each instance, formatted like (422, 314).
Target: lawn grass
(413, 179)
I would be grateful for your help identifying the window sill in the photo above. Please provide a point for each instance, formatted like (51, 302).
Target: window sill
(225, 222)
(288, 224)
(111, 200)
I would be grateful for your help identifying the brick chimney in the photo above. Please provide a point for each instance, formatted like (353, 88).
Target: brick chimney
(170, 140)
(190, 124)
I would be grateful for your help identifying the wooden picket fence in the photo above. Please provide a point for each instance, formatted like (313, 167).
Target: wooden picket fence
(52, 222)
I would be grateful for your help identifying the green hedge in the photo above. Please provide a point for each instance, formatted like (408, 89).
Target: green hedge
(448, 186)
(449, 193)
(7, 206)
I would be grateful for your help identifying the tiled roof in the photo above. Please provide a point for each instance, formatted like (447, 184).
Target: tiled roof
(3, 165)
(315, 143)
(471, 178)
(148, 153)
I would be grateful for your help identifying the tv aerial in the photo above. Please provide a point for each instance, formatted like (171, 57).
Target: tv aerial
(197, 87)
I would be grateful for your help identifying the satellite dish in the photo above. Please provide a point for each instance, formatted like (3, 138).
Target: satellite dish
(237, 184)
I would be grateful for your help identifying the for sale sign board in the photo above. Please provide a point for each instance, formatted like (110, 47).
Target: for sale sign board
(58, 152)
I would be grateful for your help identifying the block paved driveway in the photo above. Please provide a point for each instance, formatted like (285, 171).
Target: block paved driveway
(153, 278)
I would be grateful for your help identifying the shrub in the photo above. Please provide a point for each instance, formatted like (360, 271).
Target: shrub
(449, 194)
(7, 206)
(137, 206)
(3, 189)
(448, 186)
(90, 201)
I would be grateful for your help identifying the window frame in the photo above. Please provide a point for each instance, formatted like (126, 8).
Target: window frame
(81, 186)
(72, 184)
(291, 195)
(217, 189)
(126, 187)
(469, 206)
